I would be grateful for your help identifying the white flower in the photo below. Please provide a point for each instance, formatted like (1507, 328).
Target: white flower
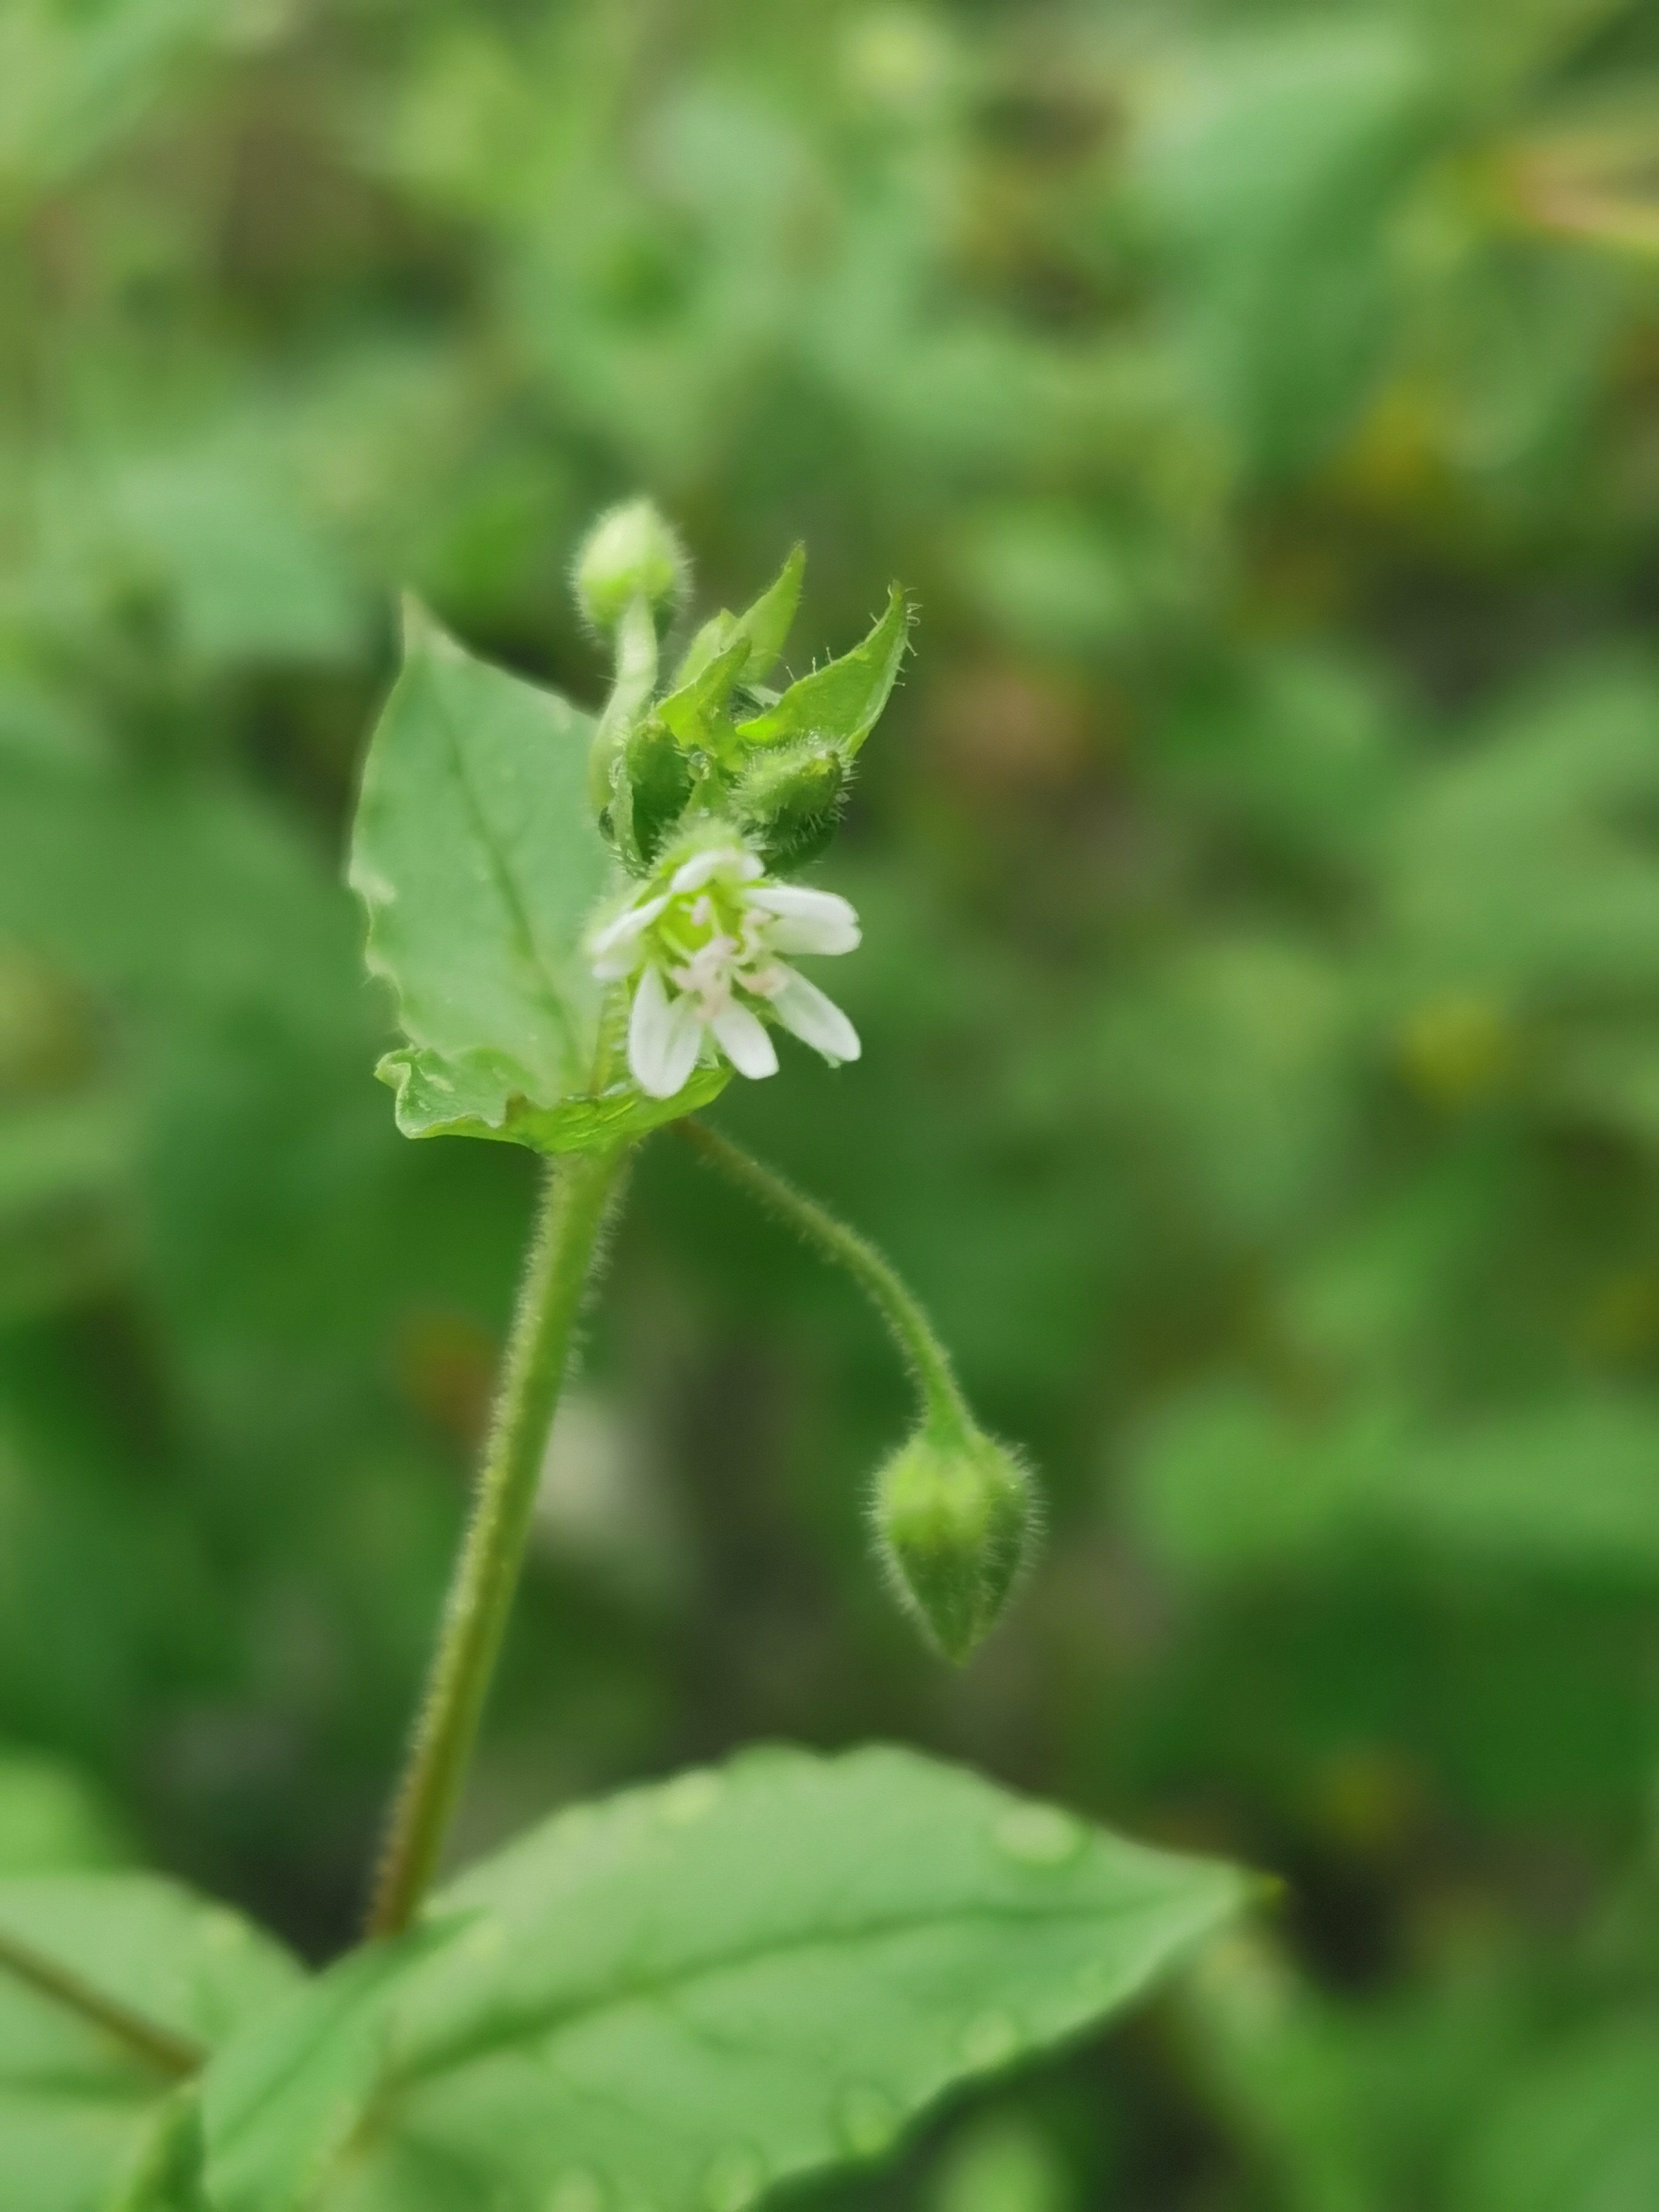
(706, 945)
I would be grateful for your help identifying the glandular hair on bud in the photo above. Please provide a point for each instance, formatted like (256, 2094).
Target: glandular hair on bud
(630, 553)
(955, 1515)
(789, 798)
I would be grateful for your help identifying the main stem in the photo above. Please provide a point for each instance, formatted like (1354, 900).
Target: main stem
(906, 1323)
(573, 1200)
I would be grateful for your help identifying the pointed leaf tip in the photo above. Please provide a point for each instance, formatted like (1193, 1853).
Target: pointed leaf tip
(844, 699)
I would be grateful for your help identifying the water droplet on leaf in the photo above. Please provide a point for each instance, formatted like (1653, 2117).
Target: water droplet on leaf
(578, 2191)
(488, 1940)
(868, 2120)
(991, 2038)
(688, 1797)
(1038, 1835)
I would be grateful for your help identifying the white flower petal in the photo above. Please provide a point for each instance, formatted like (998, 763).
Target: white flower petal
(806, 920)
(628, 923)
(788, 934)
(742, 1037)
(663, 1037)
(801, 898)
(626, 927)
(815, 1020)
(723, 860)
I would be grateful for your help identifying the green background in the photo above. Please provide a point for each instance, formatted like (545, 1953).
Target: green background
(1259, 869)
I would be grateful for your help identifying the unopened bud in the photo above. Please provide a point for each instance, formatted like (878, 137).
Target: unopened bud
(955, 1513)
(789, 798)
(630, 554)
(659, 778)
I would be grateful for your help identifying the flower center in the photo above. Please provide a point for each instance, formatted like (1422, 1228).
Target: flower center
(715, 942)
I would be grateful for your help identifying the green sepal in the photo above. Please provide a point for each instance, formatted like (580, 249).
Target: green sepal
(764, 625)
(697, 711)
(844, 698)
(482, 1094)
(768, 621)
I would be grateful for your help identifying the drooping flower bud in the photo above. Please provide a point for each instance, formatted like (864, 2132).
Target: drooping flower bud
(955, 1514)
(630, 553)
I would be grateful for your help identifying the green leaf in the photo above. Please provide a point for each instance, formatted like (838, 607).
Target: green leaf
(1579, 2127)
(476, 856)
(80, 2110)
(462, 1097)
(171, 2172)
(843, 699)
(50, 1820)
(693, 1992)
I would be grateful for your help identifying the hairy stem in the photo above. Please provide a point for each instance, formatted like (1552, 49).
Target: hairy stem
(631, 687)
(486, 1572)
(175, 2056)
(906, 1323)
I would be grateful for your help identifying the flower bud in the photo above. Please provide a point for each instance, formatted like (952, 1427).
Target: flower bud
(955, 1513)
(789, 797)
(630, 554)
(656, 780)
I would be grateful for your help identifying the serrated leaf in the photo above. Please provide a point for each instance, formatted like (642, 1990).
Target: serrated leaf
(476, 856)
(80, 2112)
(844, 698)
(693, 1992)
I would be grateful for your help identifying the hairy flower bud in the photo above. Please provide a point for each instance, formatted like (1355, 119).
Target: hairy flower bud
(652, 792)
(789, 798)
(630, 554)
(955, 1513)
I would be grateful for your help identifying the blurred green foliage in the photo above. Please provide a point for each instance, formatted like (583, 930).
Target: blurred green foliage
(1260, 876)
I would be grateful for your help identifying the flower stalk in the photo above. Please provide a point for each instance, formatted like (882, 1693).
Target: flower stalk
(954, 1513)
(576, 1195)
(908, 1325)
